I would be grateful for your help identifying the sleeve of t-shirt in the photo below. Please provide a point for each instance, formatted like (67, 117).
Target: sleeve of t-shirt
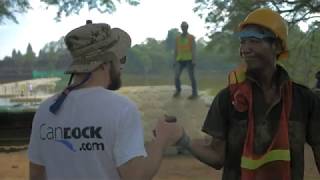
(215, 123)
(129, 142)
(34, 149)
(313, 126)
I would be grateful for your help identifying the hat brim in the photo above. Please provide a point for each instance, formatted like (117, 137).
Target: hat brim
(253, 34)
(76, 67)
(119, 49)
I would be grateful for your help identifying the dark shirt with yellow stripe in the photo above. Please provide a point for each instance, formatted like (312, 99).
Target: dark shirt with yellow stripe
(225, 123)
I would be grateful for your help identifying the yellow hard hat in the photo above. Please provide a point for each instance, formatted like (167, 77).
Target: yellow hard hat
(273, 21)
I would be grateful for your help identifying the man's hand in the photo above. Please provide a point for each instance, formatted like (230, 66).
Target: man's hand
(168, 133)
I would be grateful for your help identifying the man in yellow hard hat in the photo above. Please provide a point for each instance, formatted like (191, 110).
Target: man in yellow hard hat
(261, 121)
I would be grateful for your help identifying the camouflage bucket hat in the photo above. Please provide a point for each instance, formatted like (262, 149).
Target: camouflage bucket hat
(94, 44)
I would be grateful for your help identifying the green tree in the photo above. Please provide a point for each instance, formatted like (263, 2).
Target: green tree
(223, 16)
(226, 14)
(53, 56)
(30, 55)
(16, 55)
(171, 39)
(7, 58)
(10, 8)
(67, 7)
(304, 55)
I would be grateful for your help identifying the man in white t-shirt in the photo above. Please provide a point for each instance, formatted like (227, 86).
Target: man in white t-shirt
(88, 131)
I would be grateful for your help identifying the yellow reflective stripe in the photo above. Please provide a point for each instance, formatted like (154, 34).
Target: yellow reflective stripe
(238, 75)
(274, 155)
(241, 76)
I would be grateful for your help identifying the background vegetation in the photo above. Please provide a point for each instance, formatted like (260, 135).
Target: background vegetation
(151, 62)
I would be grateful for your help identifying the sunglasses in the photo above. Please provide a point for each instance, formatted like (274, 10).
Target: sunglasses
(123, 60)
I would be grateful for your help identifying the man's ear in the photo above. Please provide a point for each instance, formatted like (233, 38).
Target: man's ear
(277, 46)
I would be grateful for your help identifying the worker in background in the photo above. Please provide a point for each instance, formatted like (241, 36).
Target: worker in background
(184, 57)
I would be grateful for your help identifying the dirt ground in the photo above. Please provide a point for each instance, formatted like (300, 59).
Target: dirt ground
(153, 102)
(14, 166)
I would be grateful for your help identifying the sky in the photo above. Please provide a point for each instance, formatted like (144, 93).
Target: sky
(152, 18)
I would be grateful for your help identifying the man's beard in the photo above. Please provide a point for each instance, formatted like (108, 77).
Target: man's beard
(115, 79)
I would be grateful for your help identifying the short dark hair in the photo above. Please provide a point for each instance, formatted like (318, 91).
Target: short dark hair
(88, 21)
(184, 23)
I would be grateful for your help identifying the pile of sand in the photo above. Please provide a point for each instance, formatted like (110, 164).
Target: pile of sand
(156, 101)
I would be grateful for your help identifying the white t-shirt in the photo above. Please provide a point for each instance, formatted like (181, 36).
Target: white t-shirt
(94, 132)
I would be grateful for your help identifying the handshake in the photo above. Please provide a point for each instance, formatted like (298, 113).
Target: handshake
(170, 133)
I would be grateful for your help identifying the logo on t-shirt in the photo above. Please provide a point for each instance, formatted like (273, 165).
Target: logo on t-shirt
(66, 136)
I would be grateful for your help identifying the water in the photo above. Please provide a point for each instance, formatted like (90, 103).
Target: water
(7, 105)
(6, 102)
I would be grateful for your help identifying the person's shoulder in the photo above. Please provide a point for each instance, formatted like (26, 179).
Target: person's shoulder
(223, 93)
(102, 95)
(300, 87)
(120, 99)
(44, 106)
(191, 36)
(222, 98)
(47, 102)
(124, 99)
(125, 103)
(303, 91)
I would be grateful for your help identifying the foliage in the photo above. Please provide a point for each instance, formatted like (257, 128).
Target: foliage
(226, 14)
(223, 16)
(304, 55)
(68, 7)
(9, 9)
(30, 55)
(171, 38)
(152, 60)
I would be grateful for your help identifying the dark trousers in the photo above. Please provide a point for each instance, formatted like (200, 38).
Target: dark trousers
(318, 84)
(179, 66)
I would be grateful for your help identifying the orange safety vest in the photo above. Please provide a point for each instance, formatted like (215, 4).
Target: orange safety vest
(184, 47)
(274, 164)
